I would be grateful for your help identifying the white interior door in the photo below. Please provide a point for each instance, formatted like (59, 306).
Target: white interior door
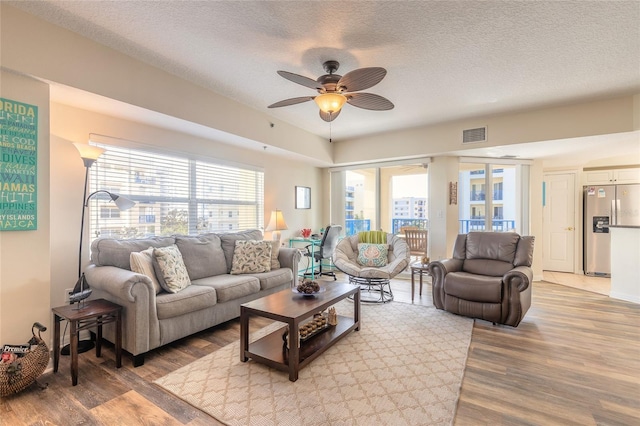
(558, 226)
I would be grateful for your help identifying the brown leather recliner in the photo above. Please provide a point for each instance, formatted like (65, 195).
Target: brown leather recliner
(489, 277)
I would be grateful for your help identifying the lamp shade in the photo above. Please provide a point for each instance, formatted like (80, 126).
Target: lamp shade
(122, 202)
(330, 102)
(89, 153)
(276, 223)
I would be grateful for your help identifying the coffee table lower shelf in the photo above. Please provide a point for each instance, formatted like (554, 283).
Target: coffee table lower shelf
(271, 350)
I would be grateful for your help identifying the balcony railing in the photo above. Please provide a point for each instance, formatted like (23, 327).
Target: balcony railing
(353, 226)
(498, 225)
(396, 224)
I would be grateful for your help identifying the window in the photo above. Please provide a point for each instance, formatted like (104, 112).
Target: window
(497, 210)
(382, 196)
(173, 195)
(109, 212)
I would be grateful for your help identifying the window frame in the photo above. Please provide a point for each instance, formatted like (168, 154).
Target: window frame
(194, 197)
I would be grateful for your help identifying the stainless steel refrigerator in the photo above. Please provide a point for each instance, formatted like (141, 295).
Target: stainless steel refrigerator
(606, 205)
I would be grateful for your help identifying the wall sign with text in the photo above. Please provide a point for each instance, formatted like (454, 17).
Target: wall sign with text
(18, 166)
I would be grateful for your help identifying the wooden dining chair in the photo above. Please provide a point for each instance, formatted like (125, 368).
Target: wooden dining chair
(418, 242)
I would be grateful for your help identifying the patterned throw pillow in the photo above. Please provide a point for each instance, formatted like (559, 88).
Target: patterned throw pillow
(372, 254)
(142, 263)
(170, 269)
(250, 257)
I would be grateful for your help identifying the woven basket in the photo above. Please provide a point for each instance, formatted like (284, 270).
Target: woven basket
(21, 373)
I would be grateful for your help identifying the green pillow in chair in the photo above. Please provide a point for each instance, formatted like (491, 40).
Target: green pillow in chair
(372, 237)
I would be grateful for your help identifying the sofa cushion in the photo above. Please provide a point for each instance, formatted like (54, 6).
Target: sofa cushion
(202, 255)
(274, 278)
(275, 252)
(251, 257)
(112, 252)
(142, 263)
(374, 255)
(190, 299)
(478, 288)
(229, 287)
(229, 242)
(170, 269)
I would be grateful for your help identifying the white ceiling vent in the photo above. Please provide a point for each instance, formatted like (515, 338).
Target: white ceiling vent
(474, 135)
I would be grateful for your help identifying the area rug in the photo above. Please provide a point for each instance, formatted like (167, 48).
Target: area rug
(404, 367)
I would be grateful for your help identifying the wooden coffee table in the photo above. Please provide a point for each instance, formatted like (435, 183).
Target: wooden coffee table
(295, 309)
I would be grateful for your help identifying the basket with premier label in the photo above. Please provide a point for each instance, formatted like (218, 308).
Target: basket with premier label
(21, 365)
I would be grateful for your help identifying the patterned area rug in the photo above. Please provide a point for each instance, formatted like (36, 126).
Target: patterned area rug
(404, 367)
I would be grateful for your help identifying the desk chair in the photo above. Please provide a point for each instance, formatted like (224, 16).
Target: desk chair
(326, 249)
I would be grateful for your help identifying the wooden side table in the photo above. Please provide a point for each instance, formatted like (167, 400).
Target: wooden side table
(420, 269)
(95, 313)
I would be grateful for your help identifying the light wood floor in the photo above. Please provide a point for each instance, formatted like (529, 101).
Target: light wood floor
(574, 360)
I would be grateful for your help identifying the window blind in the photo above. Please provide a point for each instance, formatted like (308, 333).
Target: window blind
(173, 195)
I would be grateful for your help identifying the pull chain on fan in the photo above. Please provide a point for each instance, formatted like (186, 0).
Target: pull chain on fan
(330, 129)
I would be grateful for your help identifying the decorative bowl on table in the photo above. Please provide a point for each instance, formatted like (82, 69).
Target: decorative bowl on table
(308, 288)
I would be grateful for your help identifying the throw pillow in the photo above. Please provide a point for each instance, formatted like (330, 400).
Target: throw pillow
(141, 262)
(202, 255)
(275, 252)
(229, 242)
(250, 257)
(372, 254)
(170, 269)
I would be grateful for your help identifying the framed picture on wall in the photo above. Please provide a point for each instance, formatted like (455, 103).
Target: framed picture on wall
(303, 197)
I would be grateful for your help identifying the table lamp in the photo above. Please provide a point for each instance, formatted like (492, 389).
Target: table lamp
(276, 224)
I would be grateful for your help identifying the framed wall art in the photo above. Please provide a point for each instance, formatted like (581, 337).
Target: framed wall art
(453, 193)
(303, 197)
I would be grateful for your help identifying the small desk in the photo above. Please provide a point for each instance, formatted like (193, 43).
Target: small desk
(420, 269)
(314, 242)
(95, 313)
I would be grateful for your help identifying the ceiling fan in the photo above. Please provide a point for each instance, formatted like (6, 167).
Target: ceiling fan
(336, 90)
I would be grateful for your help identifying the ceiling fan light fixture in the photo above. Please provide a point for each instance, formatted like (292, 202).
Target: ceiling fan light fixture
(330, 102)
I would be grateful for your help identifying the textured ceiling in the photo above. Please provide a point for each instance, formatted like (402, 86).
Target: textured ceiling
(446, 60)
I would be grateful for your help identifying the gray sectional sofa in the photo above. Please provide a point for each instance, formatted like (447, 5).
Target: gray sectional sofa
(152, 319)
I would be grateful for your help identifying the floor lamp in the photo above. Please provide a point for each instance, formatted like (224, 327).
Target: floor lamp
(81, 291)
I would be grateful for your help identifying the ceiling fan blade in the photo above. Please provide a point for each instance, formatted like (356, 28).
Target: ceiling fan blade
(329, 117)
(361, 79)
(369, 101)
(291, 101)
(300, 79)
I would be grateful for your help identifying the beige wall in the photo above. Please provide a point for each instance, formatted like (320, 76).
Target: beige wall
(25, 255)
(443, 217)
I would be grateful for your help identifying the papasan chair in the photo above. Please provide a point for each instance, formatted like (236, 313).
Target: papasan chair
(371, 259)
